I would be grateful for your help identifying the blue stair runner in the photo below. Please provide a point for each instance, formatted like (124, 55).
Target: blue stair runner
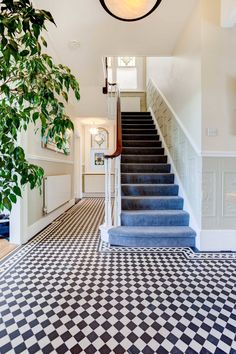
(152, 212)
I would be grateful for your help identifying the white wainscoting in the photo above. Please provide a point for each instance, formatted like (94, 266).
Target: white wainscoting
(207, 179)
(218, 240)
(94, 185)
(219, 193)
(183, 155)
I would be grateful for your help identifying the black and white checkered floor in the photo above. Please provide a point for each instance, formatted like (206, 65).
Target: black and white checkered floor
(60, 294)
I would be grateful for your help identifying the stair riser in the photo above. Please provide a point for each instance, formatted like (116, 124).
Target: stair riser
(136, 114)
(159, 168)
(141, 143)
(152, 204)
(143, 159)
(139, 131)
(152, 242)
(142, 151)
(149, 179)
(140, 137)
(149, 220)
(138, 126)
(149, 190)
(135, 121)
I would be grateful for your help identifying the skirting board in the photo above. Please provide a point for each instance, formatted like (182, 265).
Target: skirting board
(217, 240)
(96, 195)
(48, 219)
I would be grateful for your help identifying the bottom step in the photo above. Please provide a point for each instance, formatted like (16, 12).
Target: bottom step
(177, 236)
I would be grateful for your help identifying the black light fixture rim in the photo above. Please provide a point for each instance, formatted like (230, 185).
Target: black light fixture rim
(130, 20)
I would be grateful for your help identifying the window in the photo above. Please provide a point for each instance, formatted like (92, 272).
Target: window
(126, 72)
(126, 61)
(127, 79)
(110, 70)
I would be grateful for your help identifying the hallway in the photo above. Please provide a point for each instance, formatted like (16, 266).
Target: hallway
(65, 293)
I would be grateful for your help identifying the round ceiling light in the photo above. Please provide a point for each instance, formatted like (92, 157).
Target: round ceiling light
(130, 10)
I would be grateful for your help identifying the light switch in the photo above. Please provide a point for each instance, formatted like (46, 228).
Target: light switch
(212, 132)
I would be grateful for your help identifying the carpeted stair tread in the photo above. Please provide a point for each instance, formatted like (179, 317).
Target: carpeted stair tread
(140, 137)
(148, 167)
(141, 127)
(150, 197)
(142, 143)
(162, 236)
(152, 203)
(133, 120)
(144, 178)
(136, 114)
(139, 130)
(161, 231)
(133, 124)
(154, 218)
(143, 159)
(143, 151)
(149, 189)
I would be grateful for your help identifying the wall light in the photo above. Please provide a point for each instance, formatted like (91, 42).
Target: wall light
(93, 130)
(130, 10)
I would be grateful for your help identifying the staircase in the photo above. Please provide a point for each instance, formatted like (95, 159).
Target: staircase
(152, 212)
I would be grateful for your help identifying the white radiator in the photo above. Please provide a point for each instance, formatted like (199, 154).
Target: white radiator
(56, 192)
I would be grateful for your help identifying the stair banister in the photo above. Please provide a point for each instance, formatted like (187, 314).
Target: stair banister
(116, 156)
(114, 105)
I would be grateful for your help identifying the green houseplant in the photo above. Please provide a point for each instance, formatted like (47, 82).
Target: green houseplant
(32, 89)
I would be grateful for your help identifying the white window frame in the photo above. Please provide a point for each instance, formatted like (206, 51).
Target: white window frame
(139, 64)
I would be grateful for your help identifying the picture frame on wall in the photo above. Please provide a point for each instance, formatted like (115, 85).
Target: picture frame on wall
(99, 159)
(51, 145)
(100, 141)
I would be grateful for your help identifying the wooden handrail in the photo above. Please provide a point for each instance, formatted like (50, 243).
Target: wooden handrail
(118, 150)
(105, 90)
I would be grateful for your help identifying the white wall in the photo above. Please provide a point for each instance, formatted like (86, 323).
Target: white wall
(218, 80)
(101, 35)
(53, 163)
(94, 176)
(228, 13)
(179, 77)
(27, 218)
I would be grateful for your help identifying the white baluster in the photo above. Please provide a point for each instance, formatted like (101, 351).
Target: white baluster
(118, 191)
(106, 193)
(109, 195)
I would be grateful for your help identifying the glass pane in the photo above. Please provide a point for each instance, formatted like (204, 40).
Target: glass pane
(110, 76)
(126, 61)
(127, 78)
(109, 61)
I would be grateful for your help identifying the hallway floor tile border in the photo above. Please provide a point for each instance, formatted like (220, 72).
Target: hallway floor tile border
(100, 246)
(187, 252)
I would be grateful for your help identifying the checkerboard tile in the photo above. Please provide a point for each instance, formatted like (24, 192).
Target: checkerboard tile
(59, 294)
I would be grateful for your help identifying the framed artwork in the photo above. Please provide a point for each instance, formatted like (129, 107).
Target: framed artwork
(99, 159)
(100, 140)
(51, 145)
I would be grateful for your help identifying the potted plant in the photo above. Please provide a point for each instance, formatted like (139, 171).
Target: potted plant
(32, 88)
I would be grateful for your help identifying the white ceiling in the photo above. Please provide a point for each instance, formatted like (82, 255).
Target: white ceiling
(100, 34)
